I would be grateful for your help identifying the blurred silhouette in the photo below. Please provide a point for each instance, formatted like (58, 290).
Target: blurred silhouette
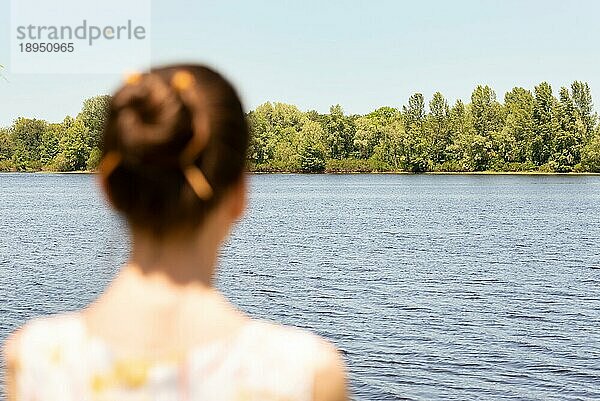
(173, 157)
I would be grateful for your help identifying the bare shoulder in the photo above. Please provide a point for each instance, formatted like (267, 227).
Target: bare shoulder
(10, 352)
(33, 331)
(15, 342)
(330, 381)
(11, 346)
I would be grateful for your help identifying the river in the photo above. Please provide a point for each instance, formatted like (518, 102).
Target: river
(453, 287)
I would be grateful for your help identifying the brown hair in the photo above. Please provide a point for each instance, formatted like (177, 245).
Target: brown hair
(175, 141)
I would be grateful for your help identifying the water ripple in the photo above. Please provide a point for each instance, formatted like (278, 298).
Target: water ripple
(433, 287)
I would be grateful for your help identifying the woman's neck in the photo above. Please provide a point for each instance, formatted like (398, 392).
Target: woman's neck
(176, 261)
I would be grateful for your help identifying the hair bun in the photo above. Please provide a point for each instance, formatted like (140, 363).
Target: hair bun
(148, 113)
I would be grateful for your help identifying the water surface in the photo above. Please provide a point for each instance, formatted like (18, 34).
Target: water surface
(434, 287)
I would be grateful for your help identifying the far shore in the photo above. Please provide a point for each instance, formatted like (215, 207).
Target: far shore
(354, 173)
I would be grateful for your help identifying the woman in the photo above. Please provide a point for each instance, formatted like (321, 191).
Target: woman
(173, 165)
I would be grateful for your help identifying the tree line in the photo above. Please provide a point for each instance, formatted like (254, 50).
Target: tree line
(529, 131)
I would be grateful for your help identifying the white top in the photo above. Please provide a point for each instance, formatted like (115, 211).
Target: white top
(57, 360)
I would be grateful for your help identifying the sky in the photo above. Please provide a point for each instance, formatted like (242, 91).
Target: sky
(359, 54)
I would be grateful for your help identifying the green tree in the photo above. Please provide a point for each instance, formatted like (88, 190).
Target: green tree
(470, 151)
(6, 146)
(340, 133)
(49, 146)
(437, 128)
(73, 147)
(93, 115)
(258, 151)
(477, 152)
(274, 129)
(370, 130)
(93, 159)
(6, 150)
(399, 150)
(26, 135)
(413, 138)
(486, 111)
(517, 134)
(545, 124)
(461, 131)
(414, 112)
(286, 155)
(312, 149)
(567, 141)
(590, 157)
(582, 99)
(488, 120)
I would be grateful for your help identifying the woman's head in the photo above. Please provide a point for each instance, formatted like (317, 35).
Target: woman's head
(174, 145)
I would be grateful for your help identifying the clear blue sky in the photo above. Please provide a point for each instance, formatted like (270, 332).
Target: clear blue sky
(360, 54)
